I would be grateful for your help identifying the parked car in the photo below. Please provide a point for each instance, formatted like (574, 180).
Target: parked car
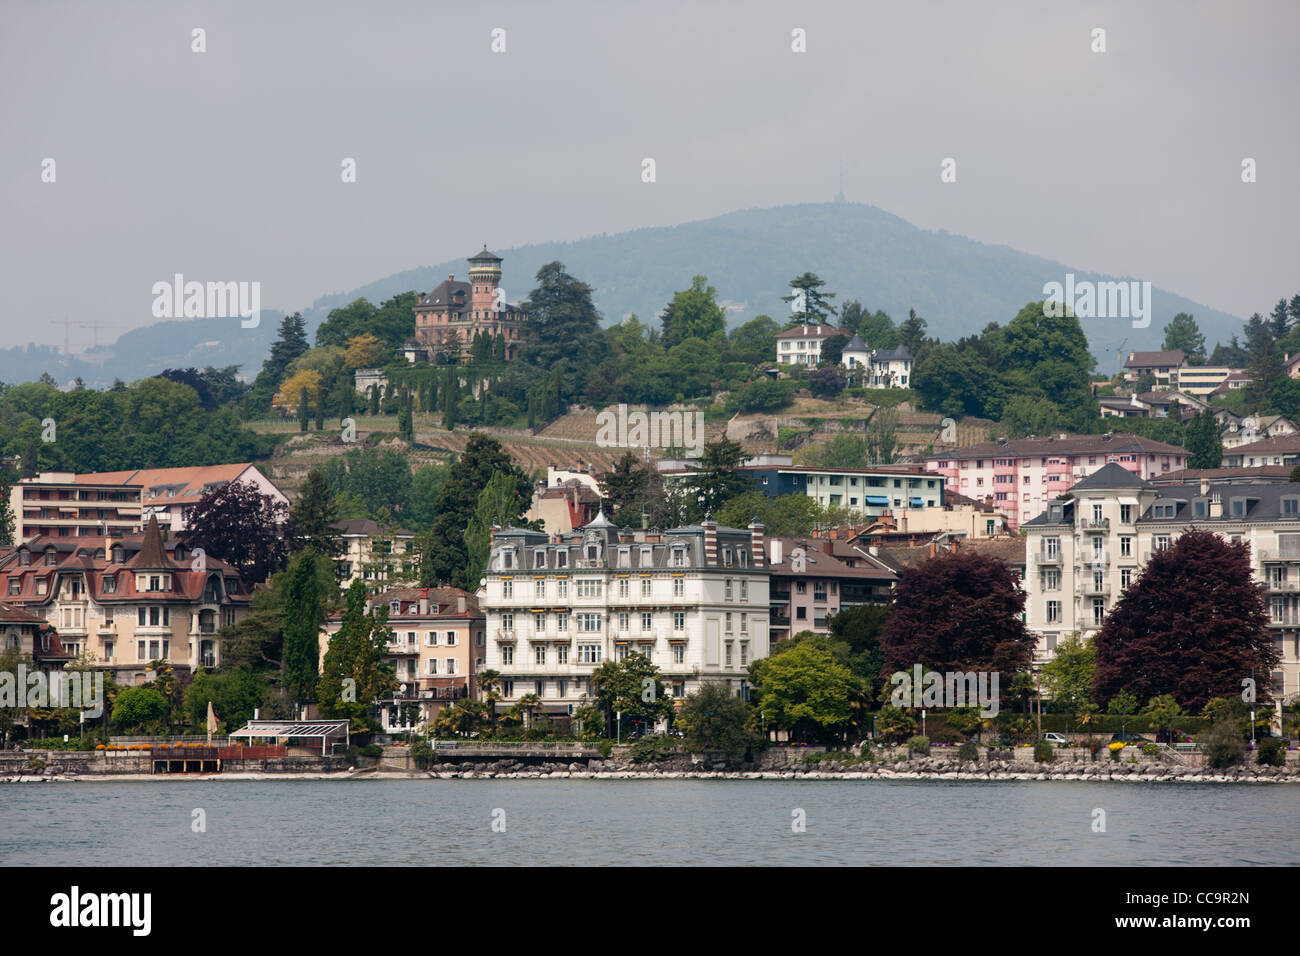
(1129, 738)
(1054, 738)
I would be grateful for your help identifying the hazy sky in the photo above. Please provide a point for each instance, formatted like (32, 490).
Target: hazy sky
(226, 165)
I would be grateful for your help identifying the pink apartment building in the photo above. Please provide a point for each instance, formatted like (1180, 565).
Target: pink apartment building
(1022, 476)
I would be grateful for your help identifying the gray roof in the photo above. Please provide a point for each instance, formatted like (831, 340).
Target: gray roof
(900, 354)
(485, 256)
(856, 344)
(1111, 475)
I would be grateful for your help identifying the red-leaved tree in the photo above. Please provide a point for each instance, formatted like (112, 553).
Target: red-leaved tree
(1193, 625)
(958, 611)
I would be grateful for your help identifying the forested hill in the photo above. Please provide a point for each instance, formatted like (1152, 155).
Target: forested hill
(958, 285)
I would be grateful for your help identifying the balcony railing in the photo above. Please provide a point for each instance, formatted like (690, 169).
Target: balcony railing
(1100, 525)
(1049, 558)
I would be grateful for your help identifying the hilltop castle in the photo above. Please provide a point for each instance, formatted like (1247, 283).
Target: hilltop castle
(452, 316)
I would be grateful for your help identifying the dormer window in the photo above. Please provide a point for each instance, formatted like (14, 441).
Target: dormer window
(1291, 506)
(507, 560)
(726, 557)
(117, 554)
(539, 558)
(395, 608)
(24, 558)
(679, 557)
(50, 557)
(593, 552)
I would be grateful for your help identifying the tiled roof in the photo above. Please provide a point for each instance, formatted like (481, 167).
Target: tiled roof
(1118, 443)
(157, 483)
(1155, 359)
(805, 331)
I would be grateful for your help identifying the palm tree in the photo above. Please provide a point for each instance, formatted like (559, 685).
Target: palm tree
(489, 688)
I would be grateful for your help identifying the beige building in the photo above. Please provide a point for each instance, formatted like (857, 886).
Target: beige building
(1086, 549)
(437, 647)
(126, 601)
(65, 505)
(381, 557)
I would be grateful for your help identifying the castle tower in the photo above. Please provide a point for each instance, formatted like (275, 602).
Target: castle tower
(484, 277)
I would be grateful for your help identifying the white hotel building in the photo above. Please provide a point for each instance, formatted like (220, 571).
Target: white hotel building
(694, 600)
(1086, 549)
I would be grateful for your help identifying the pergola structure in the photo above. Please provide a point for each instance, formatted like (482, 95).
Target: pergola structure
(286, 730)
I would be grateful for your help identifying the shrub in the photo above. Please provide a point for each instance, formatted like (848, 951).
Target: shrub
(1272, 752)
(1044, 752)
(918, 745)
(653, 748)
(371, 750)
(606, 747)
(1150, 750)
(968, 752)
(422, 752)
(1094, 747)
(1223, 745)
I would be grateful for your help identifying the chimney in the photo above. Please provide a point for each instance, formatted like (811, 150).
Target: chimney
(1205, 486)
(1216, 505)
(873, 551)
(756, 545)
(774, 549)
(424, 605)
(902, 522)
(460, 603)
(710, 543)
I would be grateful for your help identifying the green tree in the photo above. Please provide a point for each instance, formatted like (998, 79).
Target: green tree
(566, 338)
(807, 692)
(693, 314)
(1067, 677)
(1183, 334)
(1204, 441)
(314, 517)
(357, 669)
(845, 450)
(631, 687)
(139, 707)
(715, 719)
(718, 481)
(912, 332)
(446, 559)
(304, 613)
(500, 504)
(808, 304)
(1163, 711)
(1123, 704)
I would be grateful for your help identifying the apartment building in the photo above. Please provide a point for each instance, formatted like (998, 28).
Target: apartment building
(437, 646)
(694, 600)
(170, 494)
(65, 505)
(126, 601)
(1086, 549)
(99, 504)
(1026, 474)
(813, 579)
(870, 491)
(1200, 380)
(1281, 450)
(376, 555)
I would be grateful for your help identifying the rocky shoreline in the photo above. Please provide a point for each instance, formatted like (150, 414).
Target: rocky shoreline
(1101, 772)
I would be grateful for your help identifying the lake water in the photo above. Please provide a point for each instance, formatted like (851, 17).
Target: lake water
(646, 822)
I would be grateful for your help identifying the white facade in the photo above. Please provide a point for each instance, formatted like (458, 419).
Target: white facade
(693, 600)
(1083, 554)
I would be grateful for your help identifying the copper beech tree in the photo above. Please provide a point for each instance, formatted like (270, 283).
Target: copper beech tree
(958, 611)
(1193, 625)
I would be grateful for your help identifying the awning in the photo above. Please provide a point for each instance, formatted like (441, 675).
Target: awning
(293, 728)
(876, 500)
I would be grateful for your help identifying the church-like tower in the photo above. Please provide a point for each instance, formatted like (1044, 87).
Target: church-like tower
(448, 319)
